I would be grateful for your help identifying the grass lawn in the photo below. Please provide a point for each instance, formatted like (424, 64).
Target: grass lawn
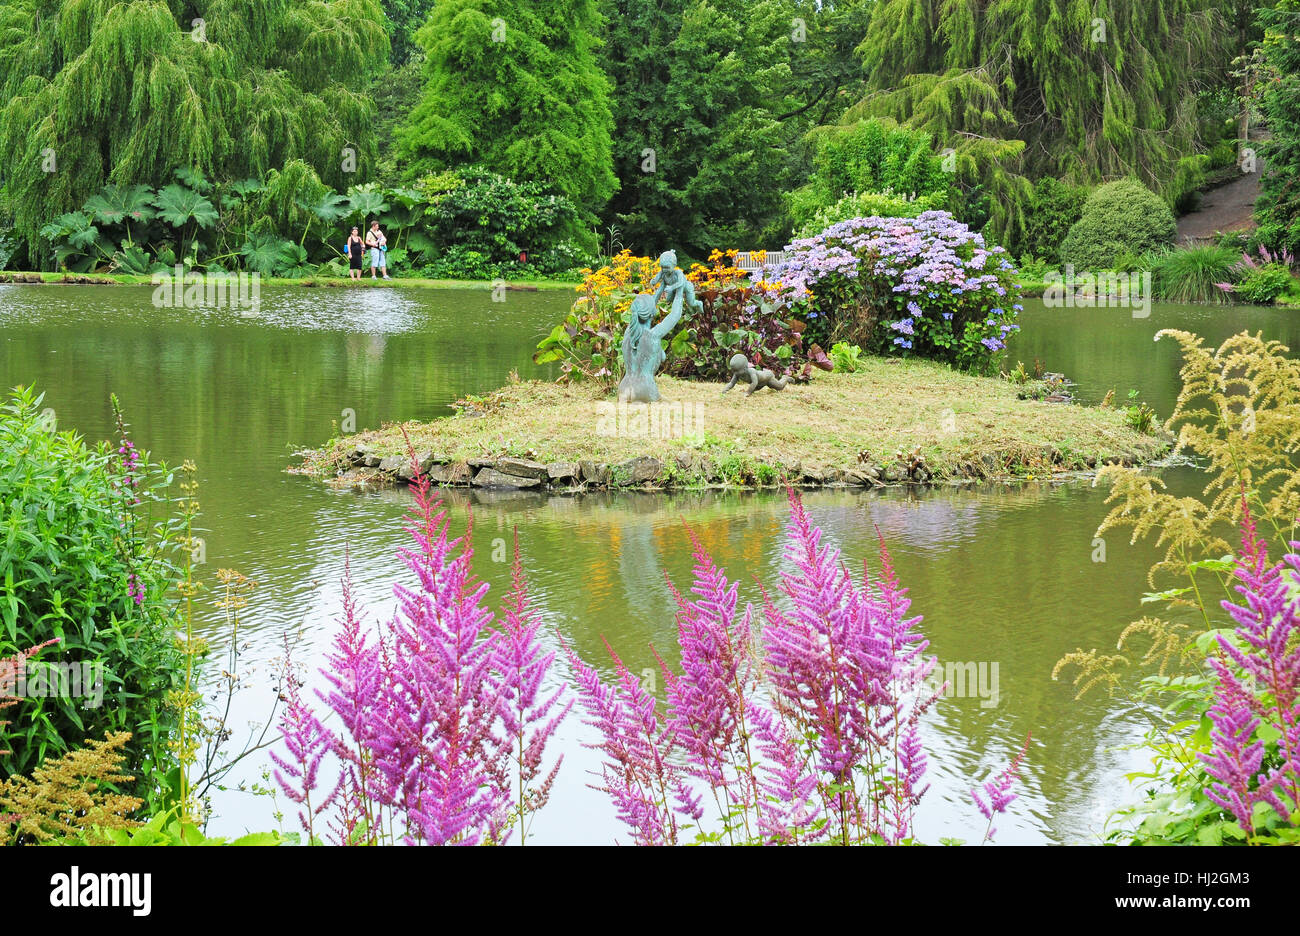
(964, 427)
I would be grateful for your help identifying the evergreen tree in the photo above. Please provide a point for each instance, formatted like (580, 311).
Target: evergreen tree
(712, 100)
(1278, 208)
(1080, 91)
(104, 91)
(515, 86)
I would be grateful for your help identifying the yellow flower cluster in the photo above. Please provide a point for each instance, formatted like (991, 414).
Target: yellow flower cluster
(625, 273)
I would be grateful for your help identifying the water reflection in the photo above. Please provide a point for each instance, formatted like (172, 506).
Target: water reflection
(1001, 573)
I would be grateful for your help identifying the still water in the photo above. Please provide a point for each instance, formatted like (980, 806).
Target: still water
(1003, 574)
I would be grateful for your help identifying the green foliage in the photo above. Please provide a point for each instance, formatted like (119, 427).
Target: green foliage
(1054, 207)
(845, 356)
(1120, 216)
(108, 92)
(85, 541)
(1026, 88)
(166, 829)
(516, 87)
(1138, 415)
(861, 205)
(1278, 207)
(1266, 283)
(712, 100)
(474, 210)
(871, 156)
(1192, 274)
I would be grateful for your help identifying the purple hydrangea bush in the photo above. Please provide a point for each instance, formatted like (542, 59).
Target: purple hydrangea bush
(925, 286)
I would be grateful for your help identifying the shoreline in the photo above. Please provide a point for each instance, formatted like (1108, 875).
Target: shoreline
(14, 277)
(893, 422)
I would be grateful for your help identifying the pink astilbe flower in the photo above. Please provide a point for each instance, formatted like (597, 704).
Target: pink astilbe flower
(1258, 682)
(997, 792)
(431, 710)
(307, 742)
(845, 661)
(706, 705)
(354, 673)
(529, 716)
(645, 788)
(787, 808)
(433, 739)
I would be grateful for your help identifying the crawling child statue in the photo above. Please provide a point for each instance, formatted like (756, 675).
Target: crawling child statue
(756, 378)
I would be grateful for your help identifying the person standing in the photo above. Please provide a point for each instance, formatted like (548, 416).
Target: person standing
(356, 251)
(378, 245)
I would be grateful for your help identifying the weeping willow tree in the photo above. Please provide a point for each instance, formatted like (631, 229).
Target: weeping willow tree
(515, 86)
(1082, 90)
(94, 92)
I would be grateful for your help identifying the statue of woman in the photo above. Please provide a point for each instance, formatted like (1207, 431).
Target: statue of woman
(643, 352)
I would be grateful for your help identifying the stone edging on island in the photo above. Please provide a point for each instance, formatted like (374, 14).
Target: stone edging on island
(684, 470)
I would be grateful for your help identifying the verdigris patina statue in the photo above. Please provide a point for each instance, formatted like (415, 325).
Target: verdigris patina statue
(756, 378)
(671, 282)
(642, 348)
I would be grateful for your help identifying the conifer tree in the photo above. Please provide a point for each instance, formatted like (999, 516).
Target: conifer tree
(1278, 208)
(516, 87)
(1079, 91)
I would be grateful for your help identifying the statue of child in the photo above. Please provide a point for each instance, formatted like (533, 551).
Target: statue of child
(671, 281)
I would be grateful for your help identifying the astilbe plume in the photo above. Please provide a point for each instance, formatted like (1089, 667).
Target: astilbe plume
(431, 709)
(997, 792)
(433, 740)
(706, 710)
(1258, 683)
(307, 742)
(530, 717)
(848, 669)
(646, 789)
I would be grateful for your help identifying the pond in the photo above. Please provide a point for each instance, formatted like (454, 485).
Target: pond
(1003, 573)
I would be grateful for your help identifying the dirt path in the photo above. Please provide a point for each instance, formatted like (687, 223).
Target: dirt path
(1226, 208)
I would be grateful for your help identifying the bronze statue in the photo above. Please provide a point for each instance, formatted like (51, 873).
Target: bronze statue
(756, 378)
(643, 351)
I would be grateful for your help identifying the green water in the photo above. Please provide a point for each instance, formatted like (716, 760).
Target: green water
(1003, 574)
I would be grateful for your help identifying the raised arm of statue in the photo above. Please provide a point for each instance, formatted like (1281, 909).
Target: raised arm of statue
(671, 319)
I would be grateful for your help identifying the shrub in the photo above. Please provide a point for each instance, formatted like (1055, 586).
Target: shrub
(89, 537)
(924, 286)
(1119, 216)
(1054, 208)
(1265, 284)
(1192, 274)
(870, 204)
(871, 156)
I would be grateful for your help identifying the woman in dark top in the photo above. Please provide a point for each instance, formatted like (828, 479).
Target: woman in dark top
(356, 248)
